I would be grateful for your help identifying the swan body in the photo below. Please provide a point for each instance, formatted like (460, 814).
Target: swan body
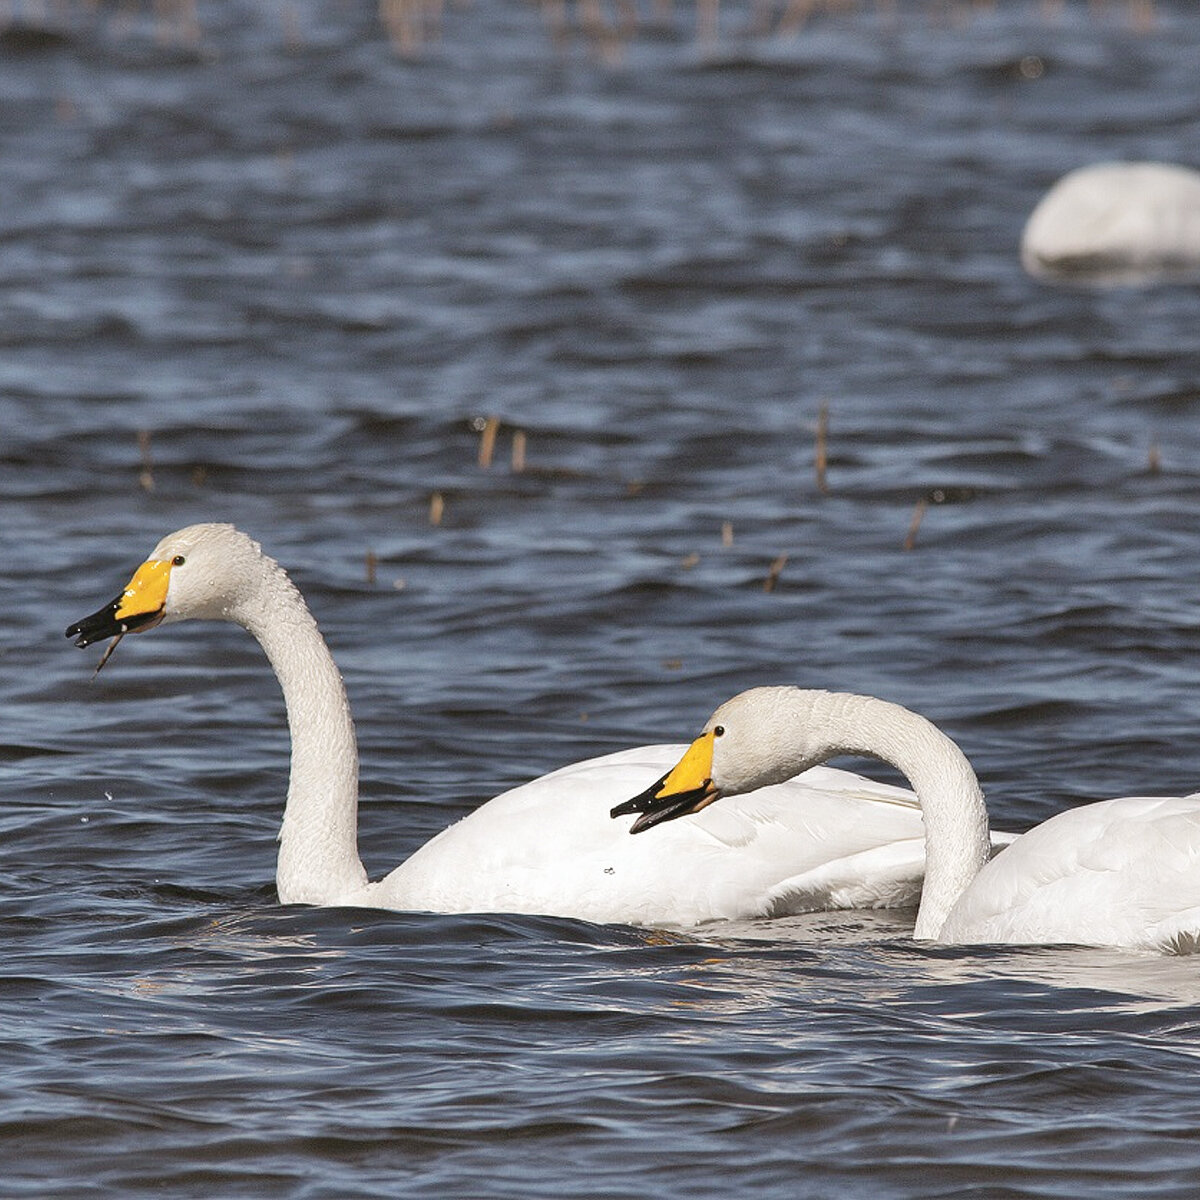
(830, 839)
(1118, 220)
(1122, 873)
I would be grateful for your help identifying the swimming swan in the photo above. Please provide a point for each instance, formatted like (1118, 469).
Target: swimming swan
(829, 840)
(1122, 873)
(1116, 221)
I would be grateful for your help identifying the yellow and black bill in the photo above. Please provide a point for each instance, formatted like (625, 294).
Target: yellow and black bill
(142, 605)
(685, 789)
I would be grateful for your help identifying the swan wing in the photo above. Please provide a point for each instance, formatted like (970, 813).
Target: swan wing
(1122, 872)
(827, 838)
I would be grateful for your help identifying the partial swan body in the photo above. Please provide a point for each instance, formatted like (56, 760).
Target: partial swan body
(1122, 873)
(828, 840)
(1116, 222)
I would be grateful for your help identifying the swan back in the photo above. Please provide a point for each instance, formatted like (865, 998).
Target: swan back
(1122, 872)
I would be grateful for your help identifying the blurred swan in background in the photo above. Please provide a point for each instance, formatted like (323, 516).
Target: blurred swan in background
(1116, 221)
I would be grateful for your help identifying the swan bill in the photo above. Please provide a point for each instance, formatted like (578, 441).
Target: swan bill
(685, 789)
(141, 606)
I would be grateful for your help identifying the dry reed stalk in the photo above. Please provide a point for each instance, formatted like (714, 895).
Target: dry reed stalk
(795, 17)
(371, 563)
(761, 14)
(437, 506)
(409, 24)
(487, 441)
(608, 36)
(918, 516)
(726, 533)
(708, 22)
(689, 561)
(162, 29)
(107, 654)
(1154, 458)
(190, 23)
(822, 458)
(146, 474)
(293, 37)
(1142, 16)
(773, 573)
(175, 23)
(518, 451)
(554, 16)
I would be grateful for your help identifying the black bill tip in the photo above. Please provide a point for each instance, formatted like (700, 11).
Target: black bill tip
(654, 809)
(106, 624)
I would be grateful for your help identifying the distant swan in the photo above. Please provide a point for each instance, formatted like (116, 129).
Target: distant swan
(829, 840)
(1119, 220)
(1122, 873)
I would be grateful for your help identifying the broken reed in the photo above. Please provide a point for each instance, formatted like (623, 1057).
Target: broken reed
(773, 573)
(146, 474)
(489, 430)
(487, 441)
(918, 516)
(821, 456)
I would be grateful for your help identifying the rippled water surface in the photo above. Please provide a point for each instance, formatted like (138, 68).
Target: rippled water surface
(306, 270)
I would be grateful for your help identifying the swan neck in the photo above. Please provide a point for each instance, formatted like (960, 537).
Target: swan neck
(318, 841)
(957, 841)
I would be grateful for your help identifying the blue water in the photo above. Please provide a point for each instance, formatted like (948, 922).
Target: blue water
(307, 270)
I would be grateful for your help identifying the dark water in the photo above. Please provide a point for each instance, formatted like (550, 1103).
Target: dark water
(308, 269)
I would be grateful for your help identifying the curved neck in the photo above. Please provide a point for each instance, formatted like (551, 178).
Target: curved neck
(318, 841)
(957, 842)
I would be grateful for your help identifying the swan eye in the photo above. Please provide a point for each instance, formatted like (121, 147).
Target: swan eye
(178, 560)
(718, 731)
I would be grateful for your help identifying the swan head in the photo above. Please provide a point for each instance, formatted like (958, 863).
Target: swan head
(202, 571)
(758, 738)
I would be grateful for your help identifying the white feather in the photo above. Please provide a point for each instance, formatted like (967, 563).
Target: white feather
(826, 839)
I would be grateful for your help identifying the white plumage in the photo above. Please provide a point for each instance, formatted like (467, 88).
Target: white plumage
(1122, 873)
(829, 839)
(1119, 220)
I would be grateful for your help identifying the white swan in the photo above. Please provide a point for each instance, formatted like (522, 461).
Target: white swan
(1122, 873)
(1124, 221)
(829, 840)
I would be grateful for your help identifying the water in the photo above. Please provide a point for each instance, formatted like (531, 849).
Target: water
(308, 269)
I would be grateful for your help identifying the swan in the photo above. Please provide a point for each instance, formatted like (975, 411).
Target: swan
(828, 840)
(1116, 220)
(1122, 873)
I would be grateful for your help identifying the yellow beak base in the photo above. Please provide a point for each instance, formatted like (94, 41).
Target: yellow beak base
(685, 789)
(146, 593)
(140, 606)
